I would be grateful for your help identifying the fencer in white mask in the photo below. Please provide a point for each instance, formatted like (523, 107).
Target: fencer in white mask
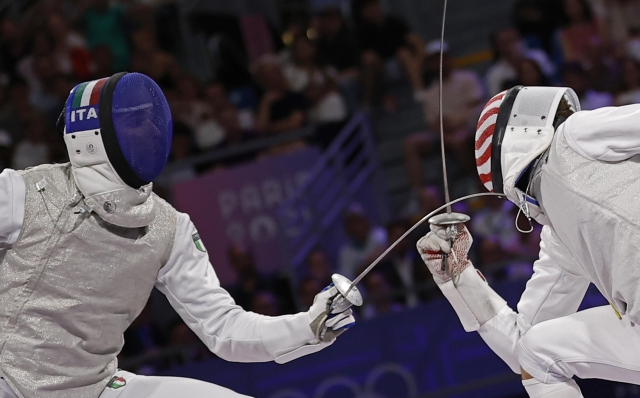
(88, 240)
(575, 172)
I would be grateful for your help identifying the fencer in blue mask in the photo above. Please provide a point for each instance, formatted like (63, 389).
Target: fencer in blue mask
(88, 240)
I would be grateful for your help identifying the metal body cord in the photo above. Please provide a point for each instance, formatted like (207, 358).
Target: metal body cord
(523, 207)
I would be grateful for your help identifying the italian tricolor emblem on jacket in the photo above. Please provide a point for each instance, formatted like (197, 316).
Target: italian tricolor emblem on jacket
(198, 242)
(116, 382)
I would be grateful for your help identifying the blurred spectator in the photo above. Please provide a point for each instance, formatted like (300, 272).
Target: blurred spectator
(380, 297)
(622, 19)
(102, 61)
(141, 14)
(529, 73)
(404, 269)
(494, 222)
(40, 61)
(319, 267)
(422, 202)
(33, 150)
(535, 22)
(579, 27)
(307, 291)
(149, 59)
(234, 135)
(364, 242)
(251, 282)
(70, 49)
(191, 347)
(188, 107)
(632, 48)
(209, 134)
(13, 45)
(104, 23)
(306, 76)
(233, 115)
(601, 67)
(265, 303)
(42, 70)
(5, 149)
(297, 26)
(492, 259)
(509, 52)
(303, 69)
(576, 77)
(181, 148)
(16, 112)
(462, 94)
(629, 92)
(53, 92)
(215, 95)
(142, 336)
(281, 110)
(181, 335)
(382, 37)
(462, 99)
(503, 252)
(336, 47)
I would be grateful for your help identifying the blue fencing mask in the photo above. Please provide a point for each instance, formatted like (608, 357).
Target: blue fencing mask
(123, 122)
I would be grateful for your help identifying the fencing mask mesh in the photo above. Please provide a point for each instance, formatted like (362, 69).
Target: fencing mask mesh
(134, 121)
(142, 124)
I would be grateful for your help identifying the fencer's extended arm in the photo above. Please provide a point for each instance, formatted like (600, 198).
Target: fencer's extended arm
(193, 289)
(607, 134)
(552, 292)
(12, 202)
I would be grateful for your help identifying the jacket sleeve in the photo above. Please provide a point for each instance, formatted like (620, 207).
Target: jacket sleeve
(193, 289)
(12, 202)
(607, 134)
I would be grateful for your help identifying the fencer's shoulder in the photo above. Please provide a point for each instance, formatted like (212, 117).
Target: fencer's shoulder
(160, 201)
(606, 134)
(179, 217)
(162, 205)
(58, 174)
(61, 168)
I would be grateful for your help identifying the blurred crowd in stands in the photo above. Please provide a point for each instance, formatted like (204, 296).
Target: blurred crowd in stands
(325, 66)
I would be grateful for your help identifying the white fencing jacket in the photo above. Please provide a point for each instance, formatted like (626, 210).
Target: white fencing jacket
(187, 278)
(590, 190)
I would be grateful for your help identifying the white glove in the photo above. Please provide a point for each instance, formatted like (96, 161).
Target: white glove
(431, 248)
(326, 326)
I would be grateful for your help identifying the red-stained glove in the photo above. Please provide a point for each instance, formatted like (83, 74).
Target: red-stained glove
(432, 246)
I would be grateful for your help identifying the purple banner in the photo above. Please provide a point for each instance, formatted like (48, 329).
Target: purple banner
(238, 205)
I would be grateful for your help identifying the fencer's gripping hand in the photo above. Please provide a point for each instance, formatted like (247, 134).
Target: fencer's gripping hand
(435, 243)
(325, 322)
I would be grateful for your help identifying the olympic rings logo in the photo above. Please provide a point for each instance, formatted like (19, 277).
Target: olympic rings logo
(357, 391)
